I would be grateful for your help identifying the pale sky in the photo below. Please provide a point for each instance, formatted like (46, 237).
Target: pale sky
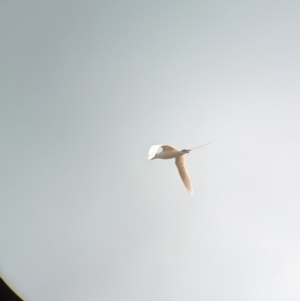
(87, 87)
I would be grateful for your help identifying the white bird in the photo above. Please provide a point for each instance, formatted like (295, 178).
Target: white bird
(170, 152)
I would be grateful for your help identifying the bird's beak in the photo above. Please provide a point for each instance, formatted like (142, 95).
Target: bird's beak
(152, 158)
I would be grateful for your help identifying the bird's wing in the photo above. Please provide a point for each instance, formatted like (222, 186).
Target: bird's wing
(180, 163)
(168, 147)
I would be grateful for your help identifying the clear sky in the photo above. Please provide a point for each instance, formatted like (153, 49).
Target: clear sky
(87, 87)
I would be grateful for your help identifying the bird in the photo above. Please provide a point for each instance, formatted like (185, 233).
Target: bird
(170, 152)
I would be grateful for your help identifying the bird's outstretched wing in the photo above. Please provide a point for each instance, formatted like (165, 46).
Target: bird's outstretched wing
(168, 147)
(180, 163)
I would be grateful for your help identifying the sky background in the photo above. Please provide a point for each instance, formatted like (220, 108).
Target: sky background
(87, 87)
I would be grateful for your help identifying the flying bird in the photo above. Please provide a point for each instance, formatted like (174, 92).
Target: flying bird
(170, 152)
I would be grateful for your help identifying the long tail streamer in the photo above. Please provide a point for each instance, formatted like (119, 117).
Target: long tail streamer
(201, 145)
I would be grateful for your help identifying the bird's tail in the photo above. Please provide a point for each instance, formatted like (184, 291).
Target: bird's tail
(200, 146)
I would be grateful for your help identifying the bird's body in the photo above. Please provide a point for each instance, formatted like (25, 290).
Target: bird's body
(170, 152)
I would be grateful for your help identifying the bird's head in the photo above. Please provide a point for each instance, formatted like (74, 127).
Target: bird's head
(155, 157)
